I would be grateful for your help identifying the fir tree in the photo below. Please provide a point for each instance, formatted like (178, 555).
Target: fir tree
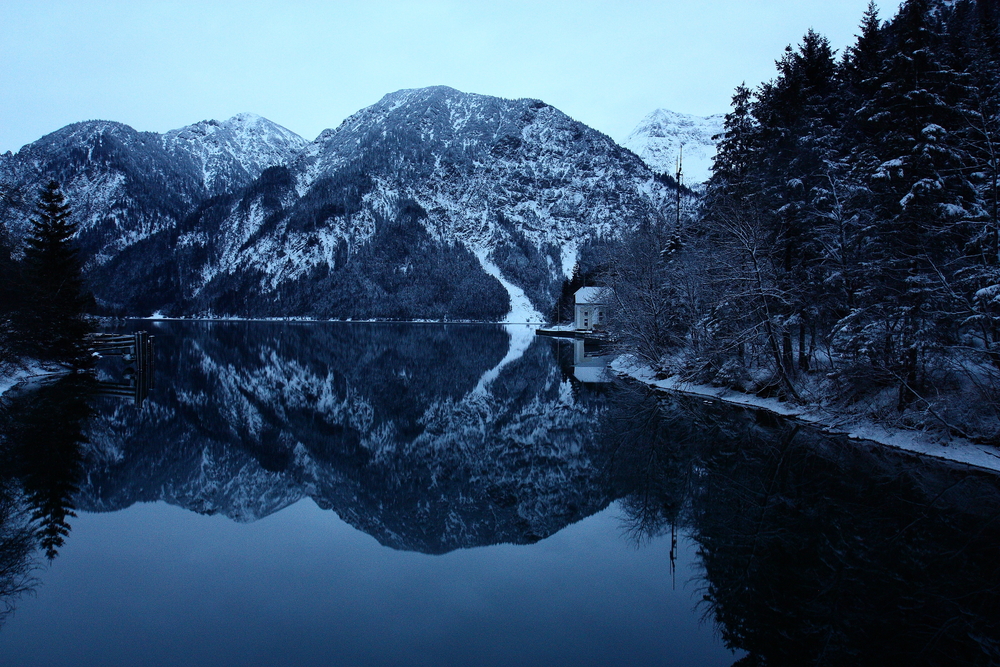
(54, 320)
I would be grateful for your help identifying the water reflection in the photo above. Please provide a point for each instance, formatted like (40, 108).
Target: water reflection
(813, 549)
(429, 438)
(17, 549)
(41, 456)
(817, 550)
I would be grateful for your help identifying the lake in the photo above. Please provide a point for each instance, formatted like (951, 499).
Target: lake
(427, 494)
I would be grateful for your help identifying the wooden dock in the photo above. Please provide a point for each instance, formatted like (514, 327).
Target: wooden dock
(137, 351)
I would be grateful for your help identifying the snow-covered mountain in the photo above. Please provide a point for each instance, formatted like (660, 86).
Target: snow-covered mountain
(234, 152)
(658, 139)
(499, 192)
(431, 203)
(125, 186)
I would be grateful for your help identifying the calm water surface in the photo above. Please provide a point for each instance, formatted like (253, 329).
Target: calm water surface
(380, 494)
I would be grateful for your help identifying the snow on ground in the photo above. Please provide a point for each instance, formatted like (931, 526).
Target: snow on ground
(521, 310)
(12, 376)
(954, 449)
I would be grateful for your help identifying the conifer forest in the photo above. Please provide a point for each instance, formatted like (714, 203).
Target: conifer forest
(847, 247)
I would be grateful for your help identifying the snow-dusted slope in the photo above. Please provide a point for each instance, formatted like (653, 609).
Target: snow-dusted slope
(231, 153)
(121, 184)
(430, 204)
(514, 182)
(658, 139)
(124, 186)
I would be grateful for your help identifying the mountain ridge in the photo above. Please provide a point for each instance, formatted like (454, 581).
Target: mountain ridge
(429, 204)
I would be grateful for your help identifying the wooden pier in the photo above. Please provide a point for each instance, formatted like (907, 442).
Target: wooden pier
(137, 351)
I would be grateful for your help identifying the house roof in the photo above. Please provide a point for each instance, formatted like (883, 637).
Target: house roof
(591, 295)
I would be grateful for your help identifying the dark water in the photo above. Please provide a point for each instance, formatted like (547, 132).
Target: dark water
(356, 494)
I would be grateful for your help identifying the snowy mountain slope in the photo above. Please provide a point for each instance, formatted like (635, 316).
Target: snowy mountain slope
(658, 138)
(232, 153)
(430, 204)
(513, 182)
(124, 185)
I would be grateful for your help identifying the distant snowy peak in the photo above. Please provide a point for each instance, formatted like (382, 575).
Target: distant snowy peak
(658, 139)
(233, 152)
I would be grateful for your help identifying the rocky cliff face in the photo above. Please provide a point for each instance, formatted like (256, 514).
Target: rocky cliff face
(431, 203)
(231, 154)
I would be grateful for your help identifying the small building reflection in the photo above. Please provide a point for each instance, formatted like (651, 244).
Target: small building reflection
(590, 361)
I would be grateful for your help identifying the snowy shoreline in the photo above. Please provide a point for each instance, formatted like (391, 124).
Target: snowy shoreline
(953, 449)
(34, 372)
(305, 320)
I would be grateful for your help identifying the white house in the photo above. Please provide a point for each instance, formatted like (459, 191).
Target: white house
(591, 308)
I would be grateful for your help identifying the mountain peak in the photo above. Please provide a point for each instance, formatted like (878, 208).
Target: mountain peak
(658, 139)
(234, 151)
(432, 203)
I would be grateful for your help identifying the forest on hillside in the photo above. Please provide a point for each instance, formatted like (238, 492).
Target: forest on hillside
(847, 248)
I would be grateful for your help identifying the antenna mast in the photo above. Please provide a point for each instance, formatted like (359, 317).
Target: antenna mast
(680, 161)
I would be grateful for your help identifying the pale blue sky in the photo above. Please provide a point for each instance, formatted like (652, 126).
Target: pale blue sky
(307, 65)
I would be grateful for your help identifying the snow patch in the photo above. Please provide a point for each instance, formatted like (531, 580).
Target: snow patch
(521, 310)
(658, 139)
(13, 376)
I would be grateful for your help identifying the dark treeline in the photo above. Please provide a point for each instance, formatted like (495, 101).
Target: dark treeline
(849, 242)
(42, 292)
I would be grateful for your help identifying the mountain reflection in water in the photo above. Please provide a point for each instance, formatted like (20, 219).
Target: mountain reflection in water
(434, 438)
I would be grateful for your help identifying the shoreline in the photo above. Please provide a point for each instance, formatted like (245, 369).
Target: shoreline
(24, 375)
(307, 320)
(952, 449)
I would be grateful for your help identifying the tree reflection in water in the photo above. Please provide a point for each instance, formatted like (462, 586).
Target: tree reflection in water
(816, 550)
(17, 549)
(41, 440)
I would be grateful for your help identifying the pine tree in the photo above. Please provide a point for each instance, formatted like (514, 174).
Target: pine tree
(54, 320)
(799, 117)
(863, 61)
(732, 170)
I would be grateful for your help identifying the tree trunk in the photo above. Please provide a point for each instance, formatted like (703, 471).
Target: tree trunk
(803, 352)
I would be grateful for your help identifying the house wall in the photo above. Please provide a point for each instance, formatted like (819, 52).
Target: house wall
(589, 315)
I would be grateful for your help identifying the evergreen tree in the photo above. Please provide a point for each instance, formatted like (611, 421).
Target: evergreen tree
(921, 202)
(732, 169)
(856, 201)
(799, 118)
(54, 320)
(863, 61)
